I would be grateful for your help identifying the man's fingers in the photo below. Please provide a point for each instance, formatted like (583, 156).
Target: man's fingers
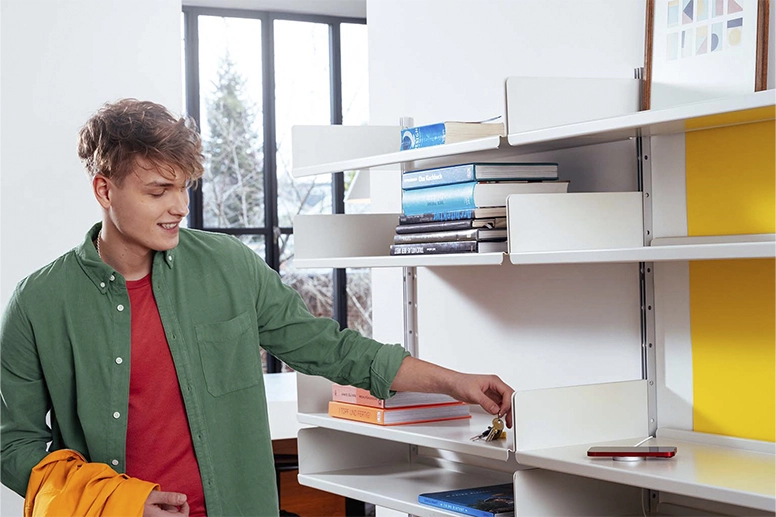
(501, 395)
(158, 497)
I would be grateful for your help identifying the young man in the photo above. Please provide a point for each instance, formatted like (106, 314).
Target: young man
(143, 342)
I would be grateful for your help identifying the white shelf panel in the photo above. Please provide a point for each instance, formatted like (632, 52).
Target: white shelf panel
(680, 119)
(452, 259)
(678, 252)
(398, 486)
(452, 436)
(424, 153)
(724, 474)
(727, 111)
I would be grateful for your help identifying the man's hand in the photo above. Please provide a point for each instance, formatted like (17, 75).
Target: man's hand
(489, 391)
(165, 504)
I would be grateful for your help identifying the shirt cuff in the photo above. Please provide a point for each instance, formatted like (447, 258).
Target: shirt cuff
(385, 366)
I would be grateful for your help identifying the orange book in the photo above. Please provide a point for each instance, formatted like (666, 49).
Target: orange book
(362, 397)
(398, 416)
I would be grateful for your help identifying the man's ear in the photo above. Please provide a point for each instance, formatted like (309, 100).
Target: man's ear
(102, 190)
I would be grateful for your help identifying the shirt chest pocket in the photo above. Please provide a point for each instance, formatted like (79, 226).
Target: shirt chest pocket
(229, 350)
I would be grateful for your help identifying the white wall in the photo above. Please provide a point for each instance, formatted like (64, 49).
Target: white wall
(347, 8)
(438, 60)
(59, 61)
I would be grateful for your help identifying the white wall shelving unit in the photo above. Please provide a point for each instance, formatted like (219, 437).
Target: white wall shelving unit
(326, 240)
(743, 109)
(554, 427)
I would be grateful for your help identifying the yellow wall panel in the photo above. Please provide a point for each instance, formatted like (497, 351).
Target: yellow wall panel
(733, 330)
(731, 185)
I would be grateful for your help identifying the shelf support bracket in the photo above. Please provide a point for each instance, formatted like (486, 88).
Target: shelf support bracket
(410, 310)
(647, 285)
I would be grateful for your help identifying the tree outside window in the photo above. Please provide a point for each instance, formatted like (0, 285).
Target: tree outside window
(232, 60)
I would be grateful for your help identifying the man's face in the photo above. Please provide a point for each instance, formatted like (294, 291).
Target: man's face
(147, 209)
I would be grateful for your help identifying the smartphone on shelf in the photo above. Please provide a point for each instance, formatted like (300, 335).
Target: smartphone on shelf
(643, 451)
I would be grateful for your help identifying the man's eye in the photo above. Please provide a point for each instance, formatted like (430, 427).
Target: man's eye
(157, 194)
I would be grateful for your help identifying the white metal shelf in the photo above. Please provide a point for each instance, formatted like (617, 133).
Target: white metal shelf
(452, 435)
(702, 250)
(678, 252)
(479, 145)
(398, 486)
(452, 259)
(721, 112)
(708, 471)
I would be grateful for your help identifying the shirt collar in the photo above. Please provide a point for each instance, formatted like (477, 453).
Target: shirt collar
(100, 273)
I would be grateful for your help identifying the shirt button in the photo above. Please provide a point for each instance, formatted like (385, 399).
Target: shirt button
(116, 414)
(169, 257)
(112, 278)
(119, 360)
(119, 307)
(102, 284)
(114, 462)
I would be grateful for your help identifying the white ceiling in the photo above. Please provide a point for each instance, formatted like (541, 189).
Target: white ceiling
(348, 8)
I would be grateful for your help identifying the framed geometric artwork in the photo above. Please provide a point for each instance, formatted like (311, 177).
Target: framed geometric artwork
(704, 49)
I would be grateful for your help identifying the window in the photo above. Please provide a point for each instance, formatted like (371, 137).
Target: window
(249, 77)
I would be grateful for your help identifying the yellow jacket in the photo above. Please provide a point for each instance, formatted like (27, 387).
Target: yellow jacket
(64, 484)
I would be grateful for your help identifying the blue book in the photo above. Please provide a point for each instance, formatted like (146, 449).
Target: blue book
(480, 172)
(470, 195)
(486, 501)
(447, 133)
(455, 215)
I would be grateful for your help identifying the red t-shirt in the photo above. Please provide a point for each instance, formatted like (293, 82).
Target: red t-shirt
(159, 447)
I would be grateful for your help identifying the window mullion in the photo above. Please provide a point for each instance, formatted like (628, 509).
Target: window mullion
(191, 26)
(339, 287)
(270, 144)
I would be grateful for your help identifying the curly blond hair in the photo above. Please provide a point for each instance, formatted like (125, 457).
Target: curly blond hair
(130, 132)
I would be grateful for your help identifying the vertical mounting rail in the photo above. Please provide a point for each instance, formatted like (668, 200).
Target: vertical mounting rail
(410, 310)
(647, 284)
(410, 276)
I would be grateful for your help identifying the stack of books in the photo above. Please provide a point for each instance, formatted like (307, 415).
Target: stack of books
(462, 208)
(406, 407)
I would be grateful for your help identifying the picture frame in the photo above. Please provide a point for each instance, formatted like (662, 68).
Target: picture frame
(696, 50)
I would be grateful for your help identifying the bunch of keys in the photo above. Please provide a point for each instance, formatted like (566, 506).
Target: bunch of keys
(493, 432)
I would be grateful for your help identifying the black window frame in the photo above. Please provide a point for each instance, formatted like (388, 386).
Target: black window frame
(271, 231)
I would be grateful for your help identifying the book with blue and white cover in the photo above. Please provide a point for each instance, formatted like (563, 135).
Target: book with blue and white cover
(486, 501)
(473, 194)
(447, 133)
(480, 172)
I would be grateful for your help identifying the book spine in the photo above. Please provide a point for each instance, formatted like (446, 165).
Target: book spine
(434, 248)
(423, 136)
(463, 224)
(453, 507)
(364, 398)
(445, 198)
(359, 413)
(446, 236)
(342, 393)
(353, 395)
(440, 176)
(430, 217)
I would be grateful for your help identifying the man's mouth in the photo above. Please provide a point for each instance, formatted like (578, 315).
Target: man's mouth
(168, 226)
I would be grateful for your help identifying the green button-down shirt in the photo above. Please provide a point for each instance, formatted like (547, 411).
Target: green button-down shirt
(65, 342)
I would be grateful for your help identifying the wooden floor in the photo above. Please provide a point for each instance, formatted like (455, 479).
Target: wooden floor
(301, 500)
(308, 502)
